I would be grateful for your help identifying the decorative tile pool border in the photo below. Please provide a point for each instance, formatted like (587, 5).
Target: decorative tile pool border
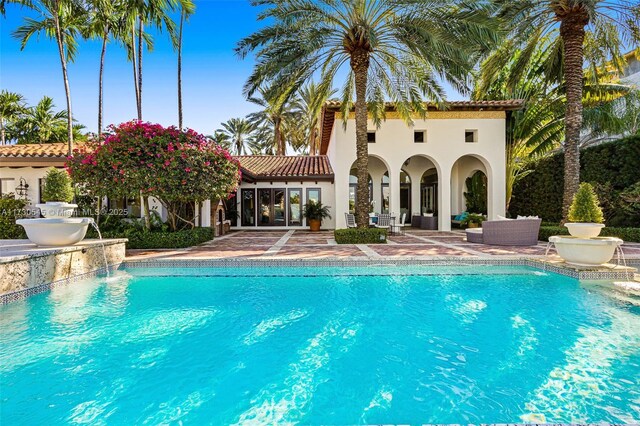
(583, 275)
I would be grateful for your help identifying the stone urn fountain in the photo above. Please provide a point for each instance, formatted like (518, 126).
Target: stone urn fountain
(57, 228)
(584, 247)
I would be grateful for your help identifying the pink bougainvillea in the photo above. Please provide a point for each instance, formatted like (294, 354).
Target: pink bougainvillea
(171, 165)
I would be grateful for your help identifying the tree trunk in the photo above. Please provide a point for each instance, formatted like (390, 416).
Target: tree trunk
(105, 36)
(180, 70)
(312, 142)
(572, 31)
(140, 29)
(146, 212)
(63, 62)
(360, 66)
(2, 136)
(277, 137)
(134, 63)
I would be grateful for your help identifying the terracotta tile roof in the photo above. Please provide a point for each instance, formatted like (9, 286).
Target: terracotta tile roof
(270, 167)
(34, 150)
(331, 107)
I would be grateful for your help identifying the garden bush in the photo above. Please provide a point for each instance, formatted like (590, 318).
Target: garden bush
(158, 239)
(10, 210)
(626, 234)
(57, 186)
(360, 236)
(612, 168)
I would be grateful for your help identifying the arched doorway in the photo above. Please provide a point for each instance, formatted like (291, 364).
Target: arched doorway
(405, 195)
(470, 182)
(378, 186)
(429, 192)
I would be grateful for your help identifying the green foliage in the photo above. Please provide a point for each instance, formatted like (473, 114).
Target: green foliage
(139, 238)
(612, 168)
(316, 211)
(630, 201)
(626, 234)
(476, 195)
(10, 210)
(586, 206)
(360, 236)
(57, 186)
(473, 218)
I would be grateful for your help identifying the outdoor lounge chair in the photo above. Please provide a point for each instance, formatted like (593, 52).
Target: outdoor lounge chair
(351, 220)
(510, 232)
(384, 221)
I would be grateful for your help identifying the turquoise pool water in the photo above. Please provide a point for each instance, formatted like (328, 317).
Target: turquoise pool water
(331, 346)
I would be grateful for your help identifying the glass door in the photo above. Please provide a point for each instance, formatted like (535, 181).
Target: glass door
(295, 207)
(248, 207)
(279, 209)
(264, 210)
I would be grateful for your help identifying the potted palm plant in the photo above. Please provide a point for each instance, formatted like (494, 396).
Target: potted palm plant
(57, 193)
(585, 215)
(473, 220)
(315, 212)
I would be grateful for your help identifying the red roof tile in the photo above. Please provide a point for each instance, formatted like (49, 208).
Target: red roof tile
(270, 167)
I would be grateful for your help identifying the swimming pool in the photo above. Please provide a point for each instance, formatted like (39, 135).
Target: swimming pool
(321, 345)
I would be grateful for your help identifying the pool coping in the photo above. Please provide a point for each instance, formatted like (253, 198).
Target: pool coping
(608, 273)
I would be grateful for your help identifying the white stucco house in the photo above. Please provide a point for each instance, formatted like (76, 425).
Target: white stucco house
(414, 169)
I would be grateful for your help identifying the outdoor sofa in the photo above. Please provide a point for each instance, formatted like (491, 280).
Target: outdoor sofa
(508, 232)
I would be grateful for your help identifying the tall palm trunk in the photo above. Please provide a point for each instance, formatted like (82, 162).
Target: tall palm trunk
(572, 31)
(63, 63)
(360, 66)
(2, 135)
(312, 142)
(180, 70)
(277, 136)
(140, 29)
(134, 63)
(105, 37)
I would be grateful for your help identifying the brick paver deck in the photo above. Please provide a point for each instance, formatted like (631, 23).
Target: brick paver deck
(302, 244)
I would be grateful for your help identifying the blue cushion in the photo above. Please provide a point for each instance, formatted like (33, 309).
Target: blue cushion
(461, 216)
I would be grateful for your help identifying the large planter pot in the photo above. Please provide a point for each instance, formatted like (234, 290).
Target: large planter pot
(314, 225)
(585, 252)
(56, 232)
(473, 225)
(55, 209)
(584, 230)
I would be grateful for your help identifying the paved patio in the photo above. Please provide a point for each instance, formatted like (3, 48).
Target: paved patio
(316, 245)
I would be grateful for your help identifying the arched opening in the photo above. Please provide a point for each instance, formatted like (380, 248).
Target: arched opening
(405, 195)
(470, 181)
(378, 186)
(419, 188)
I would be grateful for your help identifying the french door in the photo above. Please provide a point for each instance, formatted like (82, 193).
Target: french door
(272, 207)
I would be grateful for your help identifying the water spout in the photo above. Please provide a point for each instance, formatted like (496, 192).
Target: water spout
(104, 254)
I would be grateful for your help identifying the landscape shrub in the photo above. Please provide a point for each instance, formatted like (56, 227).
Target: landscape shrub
(140, 238)
(360, 236)
(585, 206)
(57, 186)
(10, 210)
(626, 234)
(612, 168)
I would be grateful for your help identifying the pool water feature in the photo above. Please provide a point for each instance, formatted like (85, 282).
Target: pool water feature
(321, 345)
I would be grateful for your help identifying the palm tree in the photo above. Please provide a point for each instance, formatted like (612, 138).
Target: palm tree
(61, 20)
(539, 129)
(311, 99)
(143, 13)
(187, 8)
(276, 111)
(41, 123)
(394, 49)
(591, 29)
(12, 107)
(220, 138)
(238, 131)
(261, 141)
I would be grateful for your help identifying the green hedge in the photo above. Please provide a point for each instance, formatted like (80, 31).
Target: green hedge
(626, 234)
(611, 167)
(10, 210)
(140, 239)
(360, 236)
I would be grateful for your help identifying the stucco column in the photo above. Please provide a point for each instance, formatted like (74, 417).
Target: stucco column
(496, 195)
(444, 198)
(376, 179)
(341, 188)
(205, 214)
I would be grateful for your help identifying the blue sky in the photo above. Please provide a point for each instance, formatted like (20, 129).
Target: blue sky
(212, 75)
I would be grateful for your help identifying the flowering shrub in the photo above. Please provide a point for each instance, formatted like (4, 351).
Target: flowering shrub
(174, 166)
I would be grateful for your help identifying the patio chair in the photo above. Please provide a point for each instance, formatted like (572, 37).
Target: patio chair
(511, 232)
(384, 221)
(351, 220)
(399, 227)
